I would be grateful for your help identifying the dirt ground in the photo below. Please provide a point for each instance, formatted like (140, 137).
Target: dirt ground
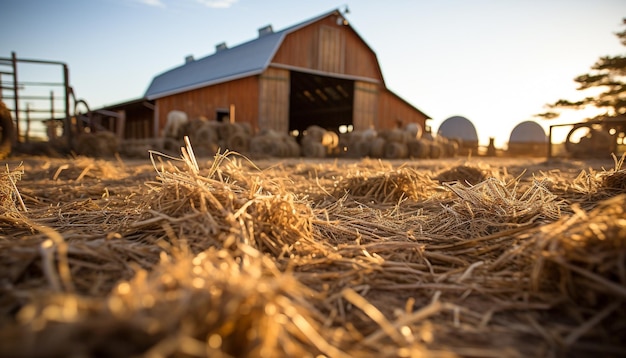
(229, 256)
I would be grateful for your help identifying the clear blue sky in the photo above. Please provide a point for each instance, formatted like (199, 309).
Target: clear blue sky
(495, 62)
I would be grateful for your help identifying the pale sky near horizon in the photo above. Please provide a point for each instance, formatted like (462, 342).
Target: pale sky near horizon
(496, 63)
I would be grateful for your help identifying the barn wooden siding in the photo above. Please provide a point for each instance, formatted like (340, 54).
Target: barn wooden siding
(327, 47)
(274, 100)
(242, 93)
(394, 111)
(365, 112)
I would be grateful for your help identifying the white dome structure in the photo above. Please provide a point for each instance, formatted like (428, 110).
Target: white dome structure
(528, 139)
(528, 132)
(458, 127)
(462, 131)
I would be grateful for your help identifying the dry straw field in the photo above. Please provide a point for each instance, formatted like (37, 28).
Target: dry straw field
(229, 257)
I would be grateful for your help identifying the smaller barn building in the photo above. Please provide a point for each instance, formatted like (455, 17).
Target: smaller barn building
(318, 72)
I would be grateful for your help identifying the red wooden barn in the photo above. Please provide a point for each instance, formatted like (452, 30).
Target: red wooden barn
(317, 72)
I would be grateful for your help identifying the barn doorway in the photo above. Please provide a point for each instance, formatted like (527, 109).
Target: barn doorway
(320, 100)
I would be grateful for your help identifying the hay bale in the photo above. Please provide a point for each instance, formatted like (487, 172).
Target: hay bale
(419, 148)
(281, 149)
(330, 139)
(172, 145)
(362, 135)
(314, 133)
(139, 148)
(99, 144)
(238, 142)
(313, 149)
(385, 134)
(395, 135)
(369, 134)
(354, 136)
(357, 144)
(450, 147)
(205, 132)
(293, 148)
(194, 124)
(246, 128)
(205, 139)
(377, 149)
(359, 149)
(436, 151)
(262, 145)
(273, 144)
(396, 150)
(7, 132)
(225, 130)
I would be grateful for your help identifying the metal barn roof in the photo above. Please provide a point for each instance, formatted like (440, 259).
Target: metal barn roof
(228, 64)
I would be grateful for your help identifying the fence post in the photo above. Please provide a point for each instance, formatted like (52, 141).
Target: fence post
(120, 124)
(67, 123)
(27, 133)
(51, 124)
(550, 143)
(16, 96)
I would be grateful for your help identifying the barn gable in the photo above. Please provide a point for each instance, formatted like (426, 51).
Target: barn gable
(329, 46)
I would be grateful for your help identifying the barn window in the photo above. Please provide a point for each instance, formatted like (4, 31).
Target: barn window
(222, 115)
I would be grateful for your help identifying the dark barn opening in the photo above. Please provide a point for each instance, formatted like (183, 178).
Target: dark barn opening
(320, 100)
(222, 115)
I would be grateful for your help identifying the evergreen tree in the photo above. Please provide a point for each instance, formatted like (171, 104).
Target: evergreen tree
(607, 74)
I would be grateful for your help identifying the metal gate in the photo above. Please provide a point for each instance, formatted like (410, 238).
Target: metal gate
(32, 108)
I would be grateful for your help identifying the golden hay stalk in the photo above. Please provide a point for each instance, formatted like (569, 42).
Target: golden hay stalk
(301, 258)
(9, 193)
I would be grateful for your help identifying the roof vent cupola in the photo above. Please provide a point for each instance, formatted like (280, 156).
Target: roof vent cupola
(221, 47)
(266, 30)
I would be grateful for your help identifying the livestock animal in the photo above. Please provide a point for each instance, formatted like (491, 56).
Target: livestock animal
(414, 129)
(174, 127)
